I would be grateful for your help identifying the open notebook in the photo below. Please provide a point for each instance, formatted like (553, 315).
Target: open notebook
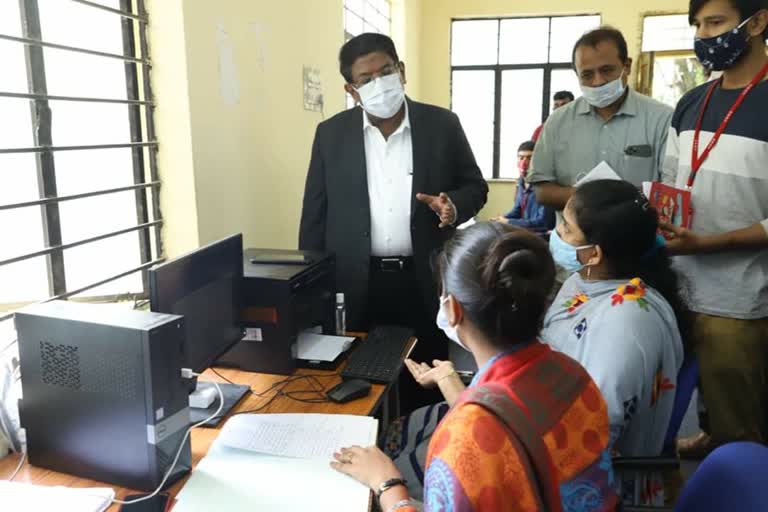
(279, 462)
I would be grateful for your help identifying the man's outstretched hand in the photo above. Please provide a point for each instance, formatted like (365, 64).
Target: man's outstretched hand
(442, 206)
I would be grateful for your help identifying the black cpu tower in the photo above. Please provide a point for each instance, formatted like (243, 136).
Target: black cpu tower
(103, 396)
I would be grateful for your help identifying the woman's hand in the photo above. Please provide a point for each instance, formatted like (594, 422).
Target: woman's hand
(369, 466)
(428, 376)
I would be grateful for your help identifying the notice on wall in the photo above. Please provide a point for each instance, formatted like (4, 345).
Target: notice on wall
(313, 90)
(229, 85)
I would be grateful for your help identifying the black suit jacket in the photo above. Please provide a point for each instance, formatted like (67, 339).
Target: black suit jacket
(336, 213)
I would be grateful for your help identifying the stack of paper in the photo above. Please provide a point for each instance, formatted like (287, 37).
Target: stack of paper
(321, 347)
(18, 496)
(279, 462)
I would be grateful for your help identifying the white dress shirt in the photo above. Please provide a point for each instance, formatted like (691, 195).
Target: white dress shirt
(390, 182)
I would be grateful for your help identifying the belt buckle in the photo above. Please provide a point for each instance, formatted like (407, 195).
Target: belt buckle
(387, 261)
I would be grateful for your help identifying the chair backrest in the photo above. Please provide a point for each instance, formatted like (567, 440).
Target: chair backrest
(687, 380)
(733, 477)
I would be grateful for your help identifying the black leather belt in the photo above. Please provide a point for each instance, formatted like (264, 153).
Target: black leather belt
(392, 263)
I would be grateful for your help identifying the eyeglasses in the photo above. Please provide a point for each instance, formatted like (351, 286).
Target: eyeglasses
(387, 70)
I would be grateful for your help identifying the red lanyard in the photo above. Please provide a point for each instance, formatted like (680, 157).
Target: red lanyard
(696, 160)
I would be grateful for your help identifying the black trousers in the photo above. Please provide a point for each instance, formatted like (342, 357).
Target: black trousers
(396, 298)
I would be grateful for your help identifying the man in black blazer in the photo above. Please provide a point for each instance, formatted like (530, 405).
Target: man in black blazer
(387, 185)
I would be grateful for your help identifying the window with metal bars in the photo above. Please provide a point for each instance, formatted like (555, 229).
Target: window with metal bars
(362, 16)
(79, 206)
(366, 16)
(504, 72)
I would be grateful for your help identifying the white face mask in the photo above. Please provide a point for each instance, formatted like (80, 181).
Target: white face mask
(383, 97)
(443, 323)
(607, 94)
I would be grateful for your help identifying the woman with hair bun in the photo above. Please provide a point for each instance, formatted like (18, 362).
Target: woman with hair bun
(531, 431)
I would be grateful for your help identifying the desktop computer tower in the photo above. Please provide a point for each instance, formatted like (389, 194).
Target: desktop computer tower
(103, 396)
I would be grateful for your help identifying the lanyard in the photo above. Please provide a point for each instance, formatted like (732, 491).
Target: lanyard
(696, 160)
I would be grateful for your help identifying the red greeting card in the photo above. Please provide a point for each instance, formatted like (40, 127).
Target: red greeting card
(672, 204)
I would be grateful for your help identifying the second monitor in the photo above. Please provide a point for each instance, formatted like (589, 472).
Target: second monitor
(205, 287)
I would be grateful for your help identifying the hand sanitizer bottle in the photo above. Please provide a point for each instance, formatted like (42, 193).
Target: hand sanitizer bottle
(341, 316)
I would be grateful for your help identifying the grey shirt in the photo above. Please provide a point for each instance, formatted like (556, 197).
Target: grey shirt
(575, 139)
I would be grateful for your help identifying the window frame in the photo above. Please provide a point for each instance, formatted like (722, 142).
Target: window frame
(644, 35)
(362, 16)
(142, 143)
(547, 67)
(348, 100)
(646, 62)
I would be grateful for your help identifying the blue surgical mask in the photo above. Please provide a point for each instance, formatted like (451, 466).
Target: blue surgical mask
(565, 254)
(443, 323)
(722, 52)
(605, 95)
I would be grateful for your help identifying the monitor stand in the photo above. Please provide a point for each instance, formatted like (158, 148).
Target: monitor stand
(233, 393)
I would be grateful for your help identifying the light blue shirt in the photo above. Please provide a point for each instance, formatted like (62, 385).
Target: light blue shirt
(630, 345)
(485, 368)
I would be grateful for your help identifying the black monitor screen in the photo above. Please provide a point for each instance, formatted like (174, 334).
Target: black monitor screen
(204, 287)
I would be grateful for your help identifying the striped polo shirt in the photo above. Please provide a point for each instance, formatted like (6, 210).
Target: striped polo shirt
(730, 192)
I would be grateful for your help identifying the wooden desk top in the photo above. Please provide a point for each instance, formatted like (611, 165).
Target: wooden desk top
(202, 438)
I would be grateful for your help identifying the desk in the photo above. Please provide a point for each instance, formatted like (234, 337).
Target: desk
(202, 438)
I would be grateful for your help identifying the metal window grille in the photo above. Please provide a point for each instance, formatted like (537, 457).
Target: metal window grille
(134, 152)
(366, 16)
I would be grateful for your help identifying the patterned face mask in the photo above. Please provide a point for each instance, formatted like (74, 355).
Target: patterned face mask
(722, 52)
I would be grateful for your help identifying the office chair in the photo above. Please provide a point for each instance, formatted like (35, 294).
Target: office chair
(687, 380)
(731, 478)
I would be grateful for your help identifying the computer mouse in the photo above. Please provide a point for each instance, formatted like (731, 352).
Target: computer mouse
(349, 390)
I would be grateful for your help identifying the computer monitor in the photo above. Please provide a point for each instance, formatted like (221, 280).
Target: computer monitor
(204, 286)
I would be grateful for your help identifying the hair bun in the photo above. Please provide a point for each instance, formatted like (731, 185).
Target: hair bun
(502, 277)
(515, 264)
(515, 267)
(518, 262)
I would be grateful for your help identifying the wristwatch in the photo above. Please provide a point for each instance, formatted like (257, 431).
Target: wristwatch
(389, 484)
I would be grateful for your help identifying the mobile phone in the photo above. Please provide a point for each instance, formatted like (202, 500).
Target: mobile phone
(157, 503)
